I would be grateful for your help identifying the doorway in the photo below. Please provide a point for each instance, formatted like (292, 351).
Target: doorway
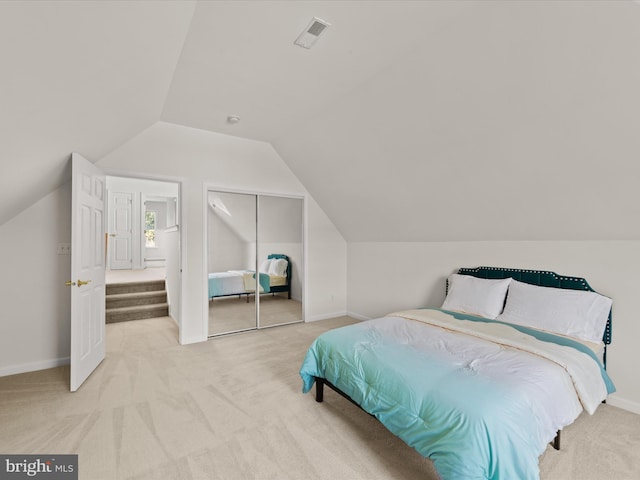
(255, 262)
(89, 265)
(142, 249)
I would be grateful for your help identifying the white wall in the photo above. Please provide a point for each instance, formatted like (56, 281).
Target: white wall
(202, 159)
(151, 188)
(384, 277)
(172, 269)
(36, 305)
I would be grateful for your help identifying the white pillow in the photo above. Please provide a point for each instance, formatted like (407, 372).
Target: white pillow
(278, 267)
(264, 266)
(575, 313)
(479, 296)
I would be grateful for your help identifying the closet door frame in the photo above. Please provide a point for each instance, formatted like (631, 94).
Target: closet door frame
(205, 253)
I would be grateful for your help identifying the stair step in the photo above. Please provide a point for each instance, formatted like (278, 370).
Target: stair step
(148, 286)
(137, 298)
(138, 312)
(136, 301)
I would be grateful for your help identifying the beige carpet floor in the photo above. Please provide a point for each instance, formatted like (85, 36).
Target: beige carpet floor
(232, 408)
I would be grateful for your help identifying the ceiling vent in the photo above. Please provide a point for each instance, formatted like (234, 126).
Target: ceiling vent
(311, 34)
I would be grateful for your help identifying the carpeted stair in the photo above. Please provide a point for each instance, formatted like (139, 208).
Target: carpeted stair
(134, 301)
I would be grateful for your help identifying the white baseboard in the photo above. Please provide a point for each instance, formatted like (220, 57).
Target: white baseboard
(624, 404)
(357, 316)
(325, 316)
(154, 262)
(33, 366)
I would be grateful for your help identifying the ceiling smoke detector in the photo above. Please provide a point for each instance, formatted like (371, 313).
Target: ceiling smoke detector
(311, 34)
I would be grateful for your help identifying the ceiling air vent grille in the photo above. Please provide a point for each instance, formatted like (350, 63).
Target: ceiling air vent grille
(311, 34)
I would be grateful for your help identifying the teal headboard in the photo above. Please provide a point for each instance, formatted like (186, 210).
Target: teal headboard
(538, 277)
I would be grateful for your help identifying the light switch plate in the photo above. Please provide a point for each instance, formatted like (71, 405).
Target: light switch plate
(64, 249)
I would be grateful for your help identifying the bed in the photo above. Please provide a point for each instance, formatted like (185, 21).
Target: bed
(274, 277)
(483, 384)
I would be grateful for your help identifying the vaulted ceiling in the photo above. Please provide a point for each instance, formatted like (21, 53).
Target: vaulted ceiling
(407, 121)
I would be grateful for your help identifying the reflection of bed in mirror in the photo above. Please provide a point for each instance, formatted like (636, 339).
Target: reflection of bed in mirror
(274, 277)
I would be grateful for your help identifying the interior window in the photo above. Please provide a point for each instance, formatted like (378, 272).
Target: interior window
(150, 228)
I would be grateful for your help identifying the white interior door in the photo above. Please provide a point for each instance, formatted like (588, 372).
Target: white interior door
(87, 269)
(120, 230)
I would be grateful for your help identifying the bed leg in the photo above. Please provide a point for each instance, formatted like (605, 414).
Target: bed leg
(556, 441)
(319, 389)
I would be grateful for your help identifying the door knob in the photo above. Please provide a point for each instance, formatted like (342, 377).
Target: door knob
(112, 234)
(82, 282)
(70, 283)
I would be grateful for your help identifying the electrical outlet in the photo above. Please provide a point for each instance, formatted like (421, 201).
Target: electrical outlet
(64, 249)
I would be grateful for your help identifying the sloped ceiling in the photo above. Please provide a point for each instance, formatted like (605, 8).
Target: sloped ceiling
(508, 121)
(408, 121)
(78, 76)
(239, 59)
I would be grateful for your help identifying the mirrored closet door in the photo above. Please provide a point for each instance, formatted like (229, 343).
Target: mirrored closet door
(231, 243)
(280, 228)
(255, 261)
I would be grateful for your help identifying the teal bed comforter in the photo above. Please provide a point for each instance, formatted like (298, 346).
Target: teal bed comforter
(479, 409)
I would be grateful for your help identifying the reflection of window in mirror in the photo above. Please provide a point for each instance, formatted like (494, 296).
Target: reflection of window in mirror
(150, 228)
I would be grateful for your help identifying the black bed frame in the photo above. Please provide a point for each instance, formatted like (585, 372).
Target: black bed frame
(534, 277)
